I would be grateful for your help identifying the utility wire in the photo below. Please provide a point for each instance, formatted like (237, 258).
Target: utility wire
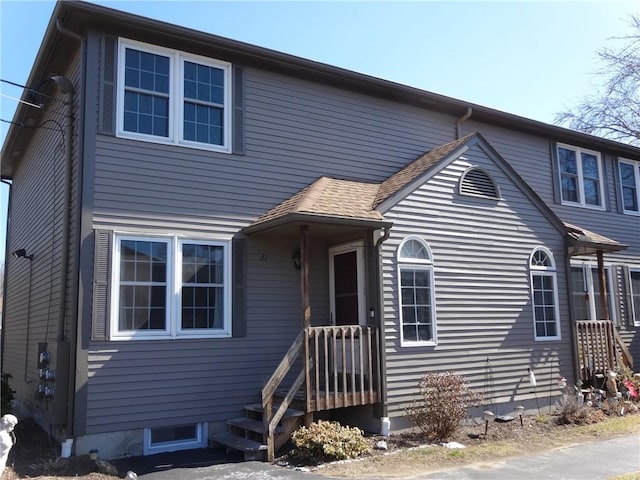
(20, 101)
(42, 125)
(2, 80)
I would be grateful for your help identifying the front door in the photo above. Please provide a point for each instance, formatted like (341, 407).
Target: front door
(346, 271)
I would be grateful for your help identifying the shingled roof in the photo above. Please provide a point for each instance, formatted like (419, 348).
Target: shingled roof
(405, 176)
(327, 198)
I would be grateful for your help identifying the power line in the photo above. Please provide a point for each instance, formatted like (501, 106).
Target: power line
(33, 90)
(42, 125)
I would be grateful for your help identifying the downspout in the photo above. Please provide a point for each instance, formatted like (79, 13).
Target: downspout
(466, 116)
(385, 426)
(66, 88)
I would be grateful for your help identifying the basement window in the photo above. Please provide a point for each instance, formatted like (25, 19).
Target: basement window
(174, 438)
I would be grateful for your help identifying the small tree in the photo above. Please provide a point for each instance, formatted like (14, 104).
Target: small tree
(444, 403)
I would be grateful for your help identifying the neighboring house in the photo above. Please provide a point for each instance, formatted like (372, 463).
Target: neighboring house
(191, 208)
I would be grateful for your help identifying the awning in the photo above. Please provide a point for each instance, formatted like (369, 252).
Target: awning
(586, 242)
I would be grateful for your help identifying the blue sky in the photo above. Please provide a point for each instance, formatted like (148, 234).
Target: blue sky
(526, 58)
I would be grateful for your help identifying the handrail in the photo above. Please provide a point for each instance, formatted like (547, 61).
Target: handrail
(337, 369)
(627, 358)
(269, 419)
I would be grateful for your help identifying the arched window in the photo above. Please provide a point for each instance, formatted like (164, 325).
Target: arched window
(544, 294)
(477, 182)
(417, 296)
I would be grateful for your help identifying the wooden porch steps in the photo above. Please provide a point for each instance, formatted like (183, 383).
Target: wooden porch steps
(247, 434)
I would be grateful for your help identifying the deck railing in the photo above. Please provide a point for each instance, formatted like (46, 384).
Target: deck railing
(340, 368)
(344, 371)
(600, 349)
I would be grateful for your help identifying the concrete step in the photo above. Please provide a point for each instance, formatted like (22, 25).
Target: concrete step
(251, 449)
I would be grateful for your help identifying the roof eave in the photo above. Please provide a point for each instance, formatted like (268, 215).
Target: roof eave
(301, 218)
(251, 54)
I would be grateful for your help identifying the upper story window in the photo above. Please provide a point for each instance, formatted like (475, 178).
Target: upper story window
(168, 96)
(475, 181)
(580, 177)
(168, 288)
(417, 296)
(544, 289)
(630, 185)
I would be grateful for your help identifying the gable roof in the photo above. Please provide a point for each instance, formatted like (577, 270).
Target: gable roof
(73, 19)
(331, 200)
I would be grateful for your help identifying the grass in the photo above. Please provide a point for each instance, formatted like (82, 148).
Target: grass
(419, 460)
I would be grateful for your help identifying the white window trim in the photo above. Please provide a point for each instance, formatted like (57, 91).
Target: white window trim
(545, 271)
(203, 333)
(417, 264)
(636, 315)
(581, 200)
(173, 324)
(176, 96)
(636, 169)
(201, 440)
(587, 273)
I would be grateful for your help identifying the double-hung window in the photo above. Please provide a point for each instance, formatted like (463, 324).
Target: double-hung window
(544, 292)
(630, 185)
(417, 296)
(580, 177)
(585, 292)
(173, 97)
(170, 288)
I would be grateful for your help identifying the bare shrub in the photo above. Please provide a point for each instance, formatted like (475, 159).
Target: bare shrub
(445, 398)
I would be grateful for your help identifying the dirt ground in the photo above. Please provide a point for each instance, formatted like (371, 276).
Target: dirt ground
(36, 456)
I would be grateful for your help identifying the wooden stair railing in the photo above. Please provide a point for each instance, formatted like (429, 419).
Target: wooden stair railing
(625, 354)
(269, 417)
(338, 369)
(600, 348)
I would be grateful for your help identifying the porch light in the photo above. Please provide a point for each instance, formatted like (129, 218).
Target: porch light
(297, 261)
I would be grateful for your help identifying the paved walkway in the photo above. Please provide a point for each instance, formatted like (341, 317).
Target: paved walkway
(594, 461)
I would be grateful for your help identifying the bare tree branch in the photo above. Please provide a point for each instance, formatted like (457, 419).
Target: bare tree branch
(614, 110)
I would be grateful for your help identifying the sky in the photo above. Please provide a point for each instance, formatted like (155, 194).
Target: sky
(531, 59)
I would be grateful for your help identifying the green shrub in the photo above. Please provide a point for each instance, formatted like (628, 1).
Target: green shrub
(7, 394)
(323, 441)
(445, 398)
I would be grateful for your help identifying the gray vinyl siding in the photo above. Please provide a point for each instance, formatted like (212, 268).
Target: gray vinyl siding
(295, 132)
(35, 225)
(481, 250)
(531, 158)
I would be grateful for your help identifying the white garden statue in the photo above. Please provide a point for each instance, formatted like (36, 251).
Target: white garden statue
(7, 438)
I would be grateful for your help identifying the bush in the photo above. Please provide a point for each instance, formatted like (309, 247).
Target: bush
(569, 408)
(444, 403)
(7, 394)
(323, 441)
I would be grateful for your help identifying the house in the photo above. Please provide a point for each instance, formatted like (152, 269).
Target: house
(200, 225)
